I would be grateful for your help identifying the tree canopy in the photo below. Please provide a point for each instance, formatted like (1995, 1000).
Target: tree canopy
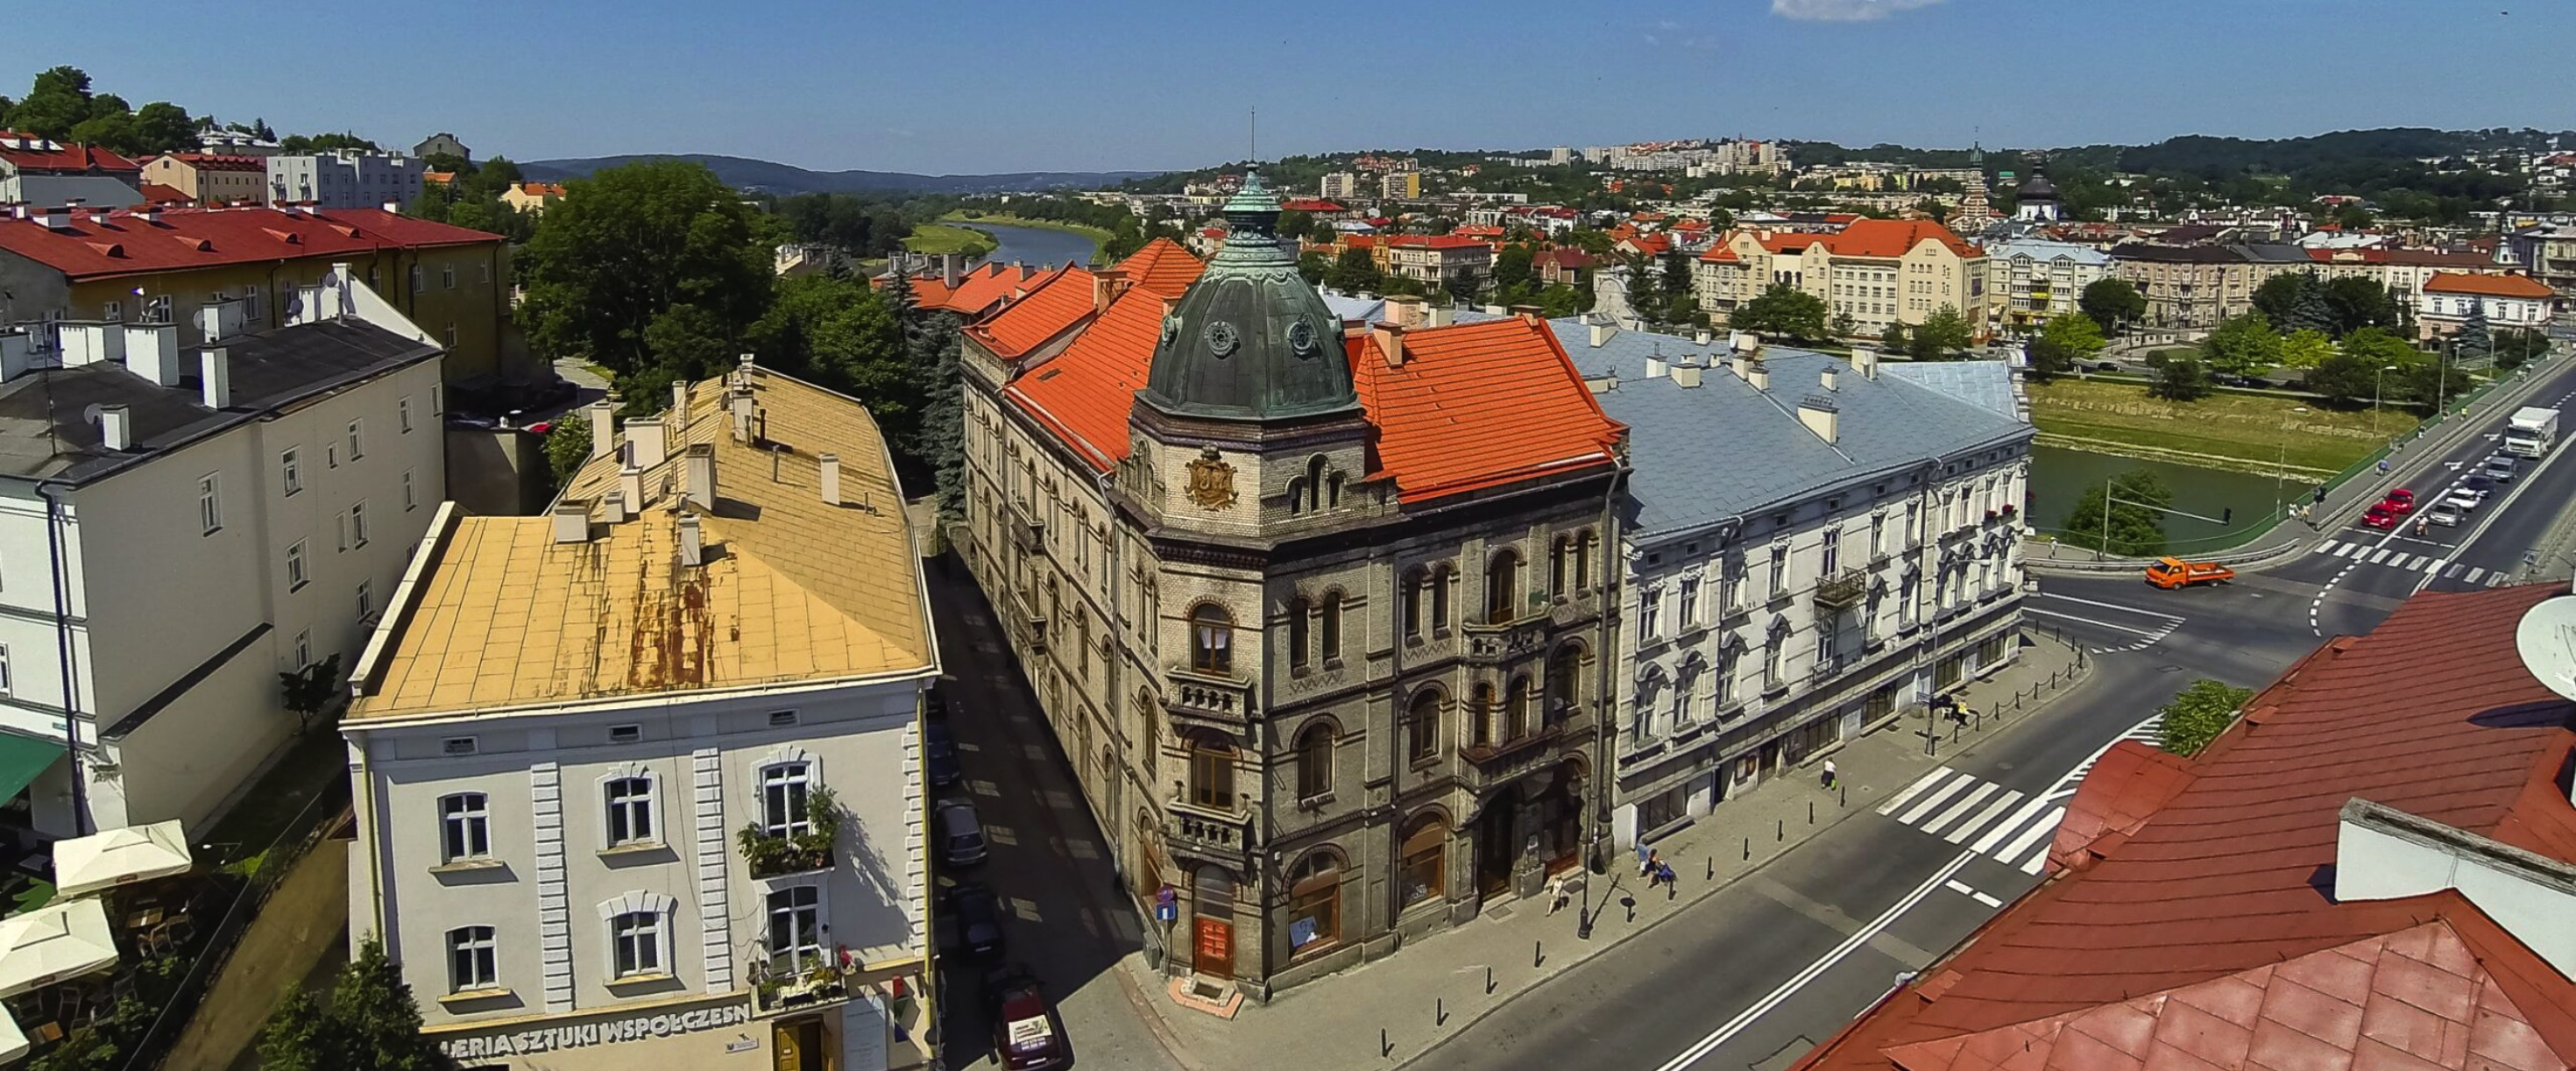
(369, 1022)
(2136, 528)
(650, 269)
(2181, 379)
(1941, 335)
(2112, 302)
(1782, 310)
(61, 106)
(2065, 341)
(2198, 715)
(2242, 346)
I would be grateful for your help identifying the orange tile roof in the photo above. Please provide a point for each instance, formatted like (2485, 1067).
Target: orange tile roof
(1083, 394)
(1504, 385)
(440, 177)
(2222, 879)
(155, 193)
(185, 238)
(1051, 308)
(1893, 238)
(1434, 241)
(978, 290)
(1162, 267)
(2507, 286)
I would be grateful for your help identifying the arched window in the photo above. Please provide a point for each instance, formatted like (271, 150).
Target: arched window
(1082, 631)
(1149, 739)
(1211, 771)
(1564, 681)
(1415, 581)
(1314, 483)
(1560, 557)
(1584, 541)
(1729, 656)
(1315, 761)
(1298, 611)
(1314, 902)
(1480, 717)
(1775, 656)
(1442, 579)
(1297, 496)
(1684, 683)
(1422, 727)
(1516, 712)
(1426, 851)
(1332, 627)
(1502, 587)
(1211, 639)
(1333, 489)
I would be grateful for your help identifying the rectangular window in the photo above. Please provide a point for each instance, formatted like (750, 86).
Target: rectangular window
(795, 929)
(357, 439)
(1690, 602)
(210, 502)
(254, 309)
(1833, 553)
(783, 790)
(290, 466)
(411, 490)
(447, 276)
(625, 734)
(1877, 534)
(8, 673)
(297, 573)
(402, 409)
(366, 602)
(1779, 569)
(637, 939)
(303, 649)
(419, 279)
(471, 963)
(358, 523)
(465, 827)
(1650, 613)
(434, 409)
(630, 810)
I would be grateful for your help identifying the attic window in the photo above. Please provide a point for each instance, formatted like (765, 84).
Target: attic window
(782, 717)
(110, 250)
(1048, 374)
(625, 734)
(199, 244)
(346, 231)
(288, 237)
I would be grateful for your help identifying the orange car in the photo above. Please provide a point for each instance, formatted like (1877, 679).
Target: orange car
(2171, 573)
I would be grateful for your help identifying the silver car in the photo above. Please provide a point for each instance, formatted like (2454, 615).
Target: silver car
(2446, 514)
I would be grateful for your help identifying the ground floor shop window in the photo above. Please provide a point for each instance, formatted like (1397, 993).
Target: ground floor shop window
(1425, 860)
(1947, 672)
(1881, 704)
(1991, 651)
(1662, 809)
(1314, 903)
(1814, 736)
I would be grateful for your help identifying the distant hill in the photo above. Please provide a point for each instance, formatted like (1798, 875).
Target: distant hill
(767, 177)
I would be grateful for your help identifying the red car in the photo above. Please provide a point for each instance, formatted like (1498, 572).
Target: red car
(2380, 516)
(1024, 1027)
(2400, 502)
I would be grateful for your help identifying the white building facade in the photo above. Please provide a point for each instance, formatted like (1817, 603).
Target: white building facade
(344, 178)
(2031, 280)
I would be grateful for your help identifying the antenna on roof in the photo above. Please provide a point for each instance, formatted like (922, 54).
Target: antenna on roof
(2546, 639)
(1256, 136)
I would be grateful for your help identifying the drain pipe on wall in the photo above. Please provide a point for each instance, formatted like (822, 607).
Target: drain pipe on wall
(59, 571)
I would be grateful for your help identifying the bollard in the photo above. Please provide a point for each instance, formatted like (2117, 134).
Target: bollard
(1748, 848)
(1811, 812)
(1489, 981)
(1712, 868)
(1846, 796)
(1382, 1047)
(1439, 1011)
(1538, 953)
(1783, 831)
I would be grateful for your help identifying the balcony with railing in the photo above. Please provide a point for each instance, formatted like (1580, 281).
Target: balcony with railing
(1205, 832)
(1189, 693)
(1502, 760)
(1488, 640)
(1842, 590)
(803, 980)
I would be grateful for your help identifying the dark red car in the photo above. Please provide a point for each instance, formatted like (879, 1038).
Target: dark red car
(1025, 1034)
(2380, 516)
(2400, 502)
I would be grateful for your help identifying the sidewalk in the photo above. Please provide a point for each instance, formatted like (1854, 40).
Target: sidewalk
(2292, 536)
(1336, 1021)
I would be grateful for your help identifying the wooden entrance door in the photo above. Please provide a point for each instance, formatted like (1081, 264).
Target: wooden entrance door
(799, 1045)
(1212, 922)
(1213, 948)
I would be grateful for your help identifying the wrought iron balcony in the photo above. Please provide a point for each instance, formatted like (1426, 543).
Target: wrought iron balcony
(1842, 590)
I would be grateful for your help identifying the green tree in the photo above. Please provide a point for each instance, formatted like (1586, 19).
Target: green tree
(1677, 274)
(163, 127)
(844, 335)
(2064, 342)
(302, 143)
(369, 1023)
(2112, 303)
(567, 446)
(2136, 528)
(2376, 346)
(2199, 715)
(2514, 346)
(2180, 379)
(1893, 339)
(2305, 349)
(2343, 379)
(59, 101)
(1782, 310)
(1561, 300)
(623, 250)
(2476, 338)
(2358, 303)
(1312, 266)
(1645, 290)
(2353, 217)
(2312, 312)
(1845, 325)
(1941, 334)
(1512, 272)
(1354, 272)
(931, 342)
(2281, 293)
(2242, 346)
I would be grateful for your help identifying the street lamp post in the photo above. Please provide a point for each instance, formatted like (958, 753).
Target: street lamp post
(2281, 470)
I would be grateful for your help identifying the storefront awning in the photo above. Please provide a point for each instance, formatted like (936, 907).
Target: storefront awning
(21, 759)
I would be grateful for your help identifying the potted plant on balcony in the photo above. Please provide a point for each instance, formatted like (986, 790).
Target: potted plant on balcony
(770, 855)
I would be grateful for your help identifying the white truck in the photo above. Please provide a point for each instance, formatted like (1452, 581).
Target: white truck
(2531, 431)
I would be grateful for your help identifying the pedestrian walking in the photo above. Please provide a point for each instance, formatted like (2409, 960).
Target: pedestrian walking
(1654, 860)
(1829, 773)
(2421, 526)
(1664, 873)
(1557, 895)
(2383, 464)
(1643, 854)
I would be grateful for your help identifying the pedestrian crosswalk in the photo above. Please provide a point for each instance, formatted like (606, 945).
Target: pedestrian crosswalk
(2148, 731)
(2003, 824)
(2405, 560)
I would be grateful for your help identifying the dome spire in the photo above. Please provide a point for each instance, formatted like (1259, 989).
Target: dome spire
(1251, 340)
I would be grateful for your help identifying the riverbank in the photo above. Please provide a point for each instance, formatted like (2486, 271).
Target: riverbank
(2179, 457)
(1098, 236)
(2242, 432)
(934, 239)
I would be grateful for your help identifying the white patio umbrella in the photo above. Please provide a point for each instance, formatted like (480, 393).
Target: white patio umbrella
(63, 939)
(13, 1041)
(119, 856)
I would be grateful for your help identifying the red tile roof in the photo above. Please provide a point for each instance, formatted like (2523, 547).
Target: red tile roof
(541, 189)
(1313, 205)
(2432, 713)
(2506, 286)
(1162, 267)
(1051, 308)
(32, 154)
(2127, 786)
(440, 177)
(1083, 394)
(1893, 237)
(2434, 258)
(189, 238)
(1504, 385)
(155, 193)
(979, 289)
(1434, 241)
(1564, 257)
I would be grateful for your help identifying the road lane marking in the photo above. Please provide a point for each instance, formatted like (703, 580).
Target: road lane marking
(2111, 606)
(1934, 800)
(1961, 887)
(2379, 555)
(1969, 828)
(2006, 827)
(1926, 781)
(2038, 831)
(2149, 633)
(1965, 804)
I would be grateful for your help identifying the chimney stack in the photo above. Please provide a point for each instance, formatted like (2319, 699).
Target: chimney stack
(630, 485)
(700, 463)
(644, 441)
(680, 406)
(116, 427)
(1757, 375)
(831, 477)
(572, 521)
(215, 376)
(740, 400)
(1404, 312)
(1438, 316)
(1390, 341)
(152, 352)
(603, 428)
(613, 507)
(1865, 362)
(1106, 285)
(1820, 415)
(1655, 367)
(1826, 379)
(1686, 375)
(952, 269)
(693, 548)
(1527, 313)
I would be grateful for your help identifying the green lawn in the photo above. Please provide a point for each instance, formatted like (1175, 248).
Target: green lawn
(2248, 427)
(1006, 219)
(935, 239)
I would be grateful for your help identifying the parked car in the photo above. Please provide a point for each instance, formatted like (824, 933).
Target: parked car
(2501, 468)
(2379, 516)
(1025, 1034)
(2465, 498)
(2479, 481)
(2400, 501)
(979, 918)
(2447, 514)
(939, 755)
(961, 833)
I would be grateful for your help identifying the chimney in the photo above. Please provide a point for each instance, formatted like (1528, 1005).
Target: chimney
(1820, 415)
(1106, 285)
(53, 219)
(1655, 368)
(1404, 312)
(613, 507)
(1528, 313)
(1743, 341)
(221, 317)
(699, 463)
(1702, 336)
(630, 486)
(572, 521)
(215, 377)
(1865, 362)
(1390, 341)
(116, 427)
(693, 549)
(1438, 316)
(741, 402)
(1603, 383)
(98, 216)
(390, 206)
(1603, 331)
(1686, 375)
(152, 352)
(1826, 379)
(644, 442)
(603, 428)
(831, 478)
(85, 343)
(1757, 375)
(148, 213)
(952, 269)
(680, 406)
(1742, 367)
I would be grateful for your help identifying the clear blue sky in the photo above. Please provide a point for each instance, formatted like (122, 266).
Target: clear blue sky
(1009, 85)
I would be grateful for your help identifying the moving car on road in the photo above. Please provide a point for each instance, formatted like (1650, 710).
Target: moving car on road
(2447, 513)
(2379, 516)
(2400, 501)
(979, 918)
(2465, 498)
(2171, 573)
(2501, 468)
(1024, 1026)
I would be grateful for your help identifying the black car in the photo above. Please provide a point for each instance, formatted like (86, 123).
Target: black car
(2479, 482)
(979, 918)
(939, 754)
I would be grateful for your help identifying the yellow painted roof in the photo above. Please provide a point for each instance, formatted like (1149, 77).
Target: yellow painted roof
(793, 588)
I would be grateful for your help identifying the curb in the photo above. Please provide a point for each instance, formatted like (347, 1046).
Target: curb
(2084, 672)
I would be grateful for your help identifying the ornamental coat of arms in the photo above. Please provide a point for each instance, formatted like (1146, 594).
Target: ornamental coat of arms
(1211, 481)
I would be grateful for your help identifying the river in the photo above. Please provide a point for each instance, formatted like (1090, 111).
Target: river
(1035, 246)
(2059, 477)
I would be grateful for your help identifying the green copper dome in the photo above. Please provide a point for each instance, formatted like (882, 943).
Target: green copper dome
(1251, 340)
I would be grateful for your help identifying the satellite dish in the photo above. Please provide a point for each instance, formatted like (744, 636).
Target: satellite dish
(2547, 642)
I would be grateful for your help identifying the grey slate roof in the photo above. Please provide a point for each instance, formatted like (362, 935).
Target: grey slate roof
(46, 431)
(93, 191)
(1985, 384)
(1705, 454)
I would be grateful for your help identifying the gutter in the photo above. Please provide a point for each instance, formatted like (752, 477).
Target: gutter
(58, 570)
